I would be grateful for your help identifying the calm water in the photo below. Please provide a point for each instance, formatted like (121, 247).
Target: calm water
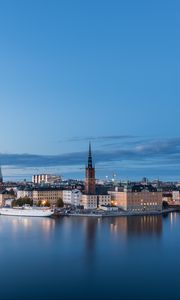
(89, 258)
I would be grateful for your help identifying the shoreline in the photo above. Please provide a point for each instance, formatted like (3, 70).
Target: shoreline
(121, 214)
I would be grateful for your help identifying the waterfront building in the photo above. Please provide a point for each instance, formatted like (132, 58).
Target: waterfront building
(8, 202)
(45, 178)
(5, 195)
(1, 177)
(90, 188)
(72, 197)
(176, 197)
(44, 194)
(108, 208)
(137, 198)
(103, 200)
(147, 224)
(95, 201)
(25, 192)
(89, 201)
(167, 197)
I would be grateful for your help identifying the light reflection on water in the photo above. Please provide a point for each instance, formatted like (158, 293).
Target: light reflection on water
(24, 225)
(73, 252)
(145, 225)
(173, 219)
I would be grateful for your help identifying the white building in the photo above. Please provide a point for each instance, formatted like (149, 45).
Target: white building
(24, 192)
(108, 208)
(4, 195)
(72, 197)
(176, 196)
(45, 178)
(95, 201)
(8, 202)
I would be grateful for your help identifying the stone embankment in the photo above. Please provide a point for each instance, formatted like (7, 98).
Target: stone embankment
(119, 214)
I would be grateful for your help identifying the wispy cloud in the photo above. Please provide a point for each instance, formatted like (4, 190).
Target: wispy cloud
(98, 138)
(165, 152)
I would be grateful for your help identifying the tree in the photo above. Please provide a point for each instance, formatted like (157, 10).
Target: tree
(39, 203)
(47, 203)
(43, 203)
(11, 192)
(22, 201)
(59, 202)
(165, 204)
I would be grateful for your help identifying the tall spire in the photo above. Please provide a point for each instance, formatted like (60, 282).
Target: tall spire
(90, 157)
(1, 178)
(90, 176)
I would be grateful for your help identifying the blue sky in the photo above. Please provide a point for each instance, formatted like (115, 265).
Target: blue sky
(107, 71)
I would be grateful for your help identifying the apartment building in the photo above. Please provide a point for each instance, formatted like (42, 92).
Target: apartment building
(95, 201)
(47, 194)
(72, 197)
(25, 192)
(137, 198)
(45, 178)
(5, 195)
(89, 201)
(104, 200)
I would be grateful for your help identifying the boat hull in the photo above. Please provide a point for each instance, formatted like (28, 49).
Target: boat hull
(26, 212)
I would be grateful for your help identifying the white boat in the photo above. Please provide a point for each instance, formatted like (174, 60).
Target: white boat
(27, 211)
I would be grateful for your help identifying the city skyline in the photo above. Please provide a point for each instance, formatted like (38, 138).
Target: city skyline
(89, 149)
(100, 71)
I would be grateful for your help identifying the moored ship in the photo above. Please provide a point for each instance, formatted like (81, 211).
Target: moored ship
(27, 211)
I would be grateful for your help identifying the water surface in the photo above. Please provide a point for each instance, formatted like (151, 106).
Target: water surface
(90, 258)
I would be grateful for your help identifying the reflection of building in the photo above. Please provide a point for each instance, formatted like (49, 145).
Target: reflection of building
(116, 224)
(137, 198)
(72, 197)
(91, 228)
(144, 225)
(47, 194)
(135, 225)
(45, 178)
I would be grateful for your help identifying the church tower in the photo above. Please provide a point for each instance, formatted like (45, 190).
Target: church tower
(90, 188)
(1, 177)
